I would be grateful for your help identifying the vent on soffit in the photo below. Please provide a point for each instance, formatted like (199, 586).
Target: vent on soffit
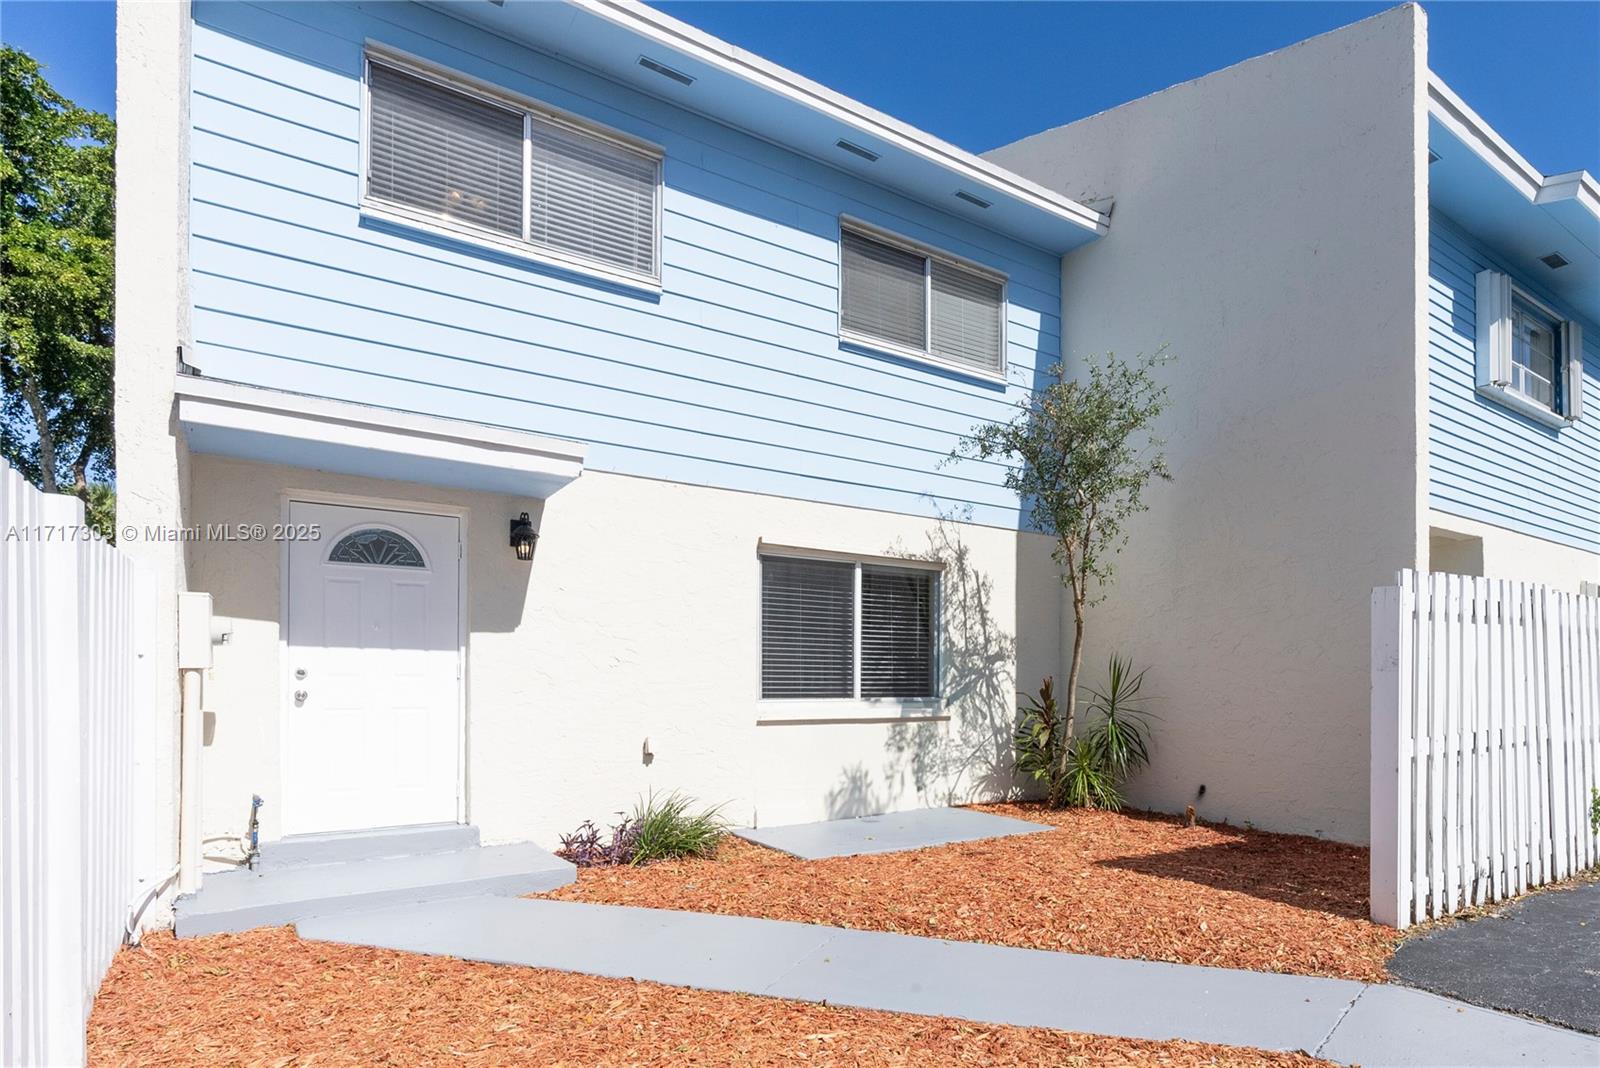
(962, 194)
(856, 150)
(665, 71)
(1555, 261)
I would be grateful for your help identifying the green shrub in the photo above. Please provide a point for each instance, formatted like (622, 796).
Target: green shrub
(1594, 811)
(1086, 770)
(664, 827)
(1088, 783)
(1119, 734)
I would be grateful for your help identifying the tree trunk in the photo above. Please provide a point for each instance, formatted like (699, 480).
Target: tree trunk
(1069, 707)
(47, 443)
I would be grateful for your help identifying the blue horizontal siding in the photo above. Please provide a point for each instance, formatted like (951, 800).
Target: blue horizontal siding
(1487, 462)
(733, 376)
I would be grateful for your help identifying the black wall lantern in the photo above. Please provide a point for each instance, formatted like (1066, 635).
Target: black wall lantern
(523, 536)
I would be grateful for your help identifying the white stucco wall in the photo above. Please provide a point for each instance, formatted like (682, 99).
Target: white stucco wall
(1269, 224)
(152, 296)
(638, 619)
(1510, 554)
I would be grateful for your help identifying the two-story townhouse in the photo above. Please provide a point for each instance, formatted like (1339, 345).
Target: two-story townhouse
(558, 407)
(1389, 328)
(715, 329)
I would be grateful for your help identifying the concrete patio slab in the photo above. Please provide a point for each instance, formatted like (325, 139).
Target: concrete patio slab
(890, 833)
(1539, 956)
(1337, 1019)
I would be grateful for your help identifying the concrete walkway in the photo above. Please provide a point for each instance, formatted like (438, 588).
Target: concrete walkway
(1344, 1021)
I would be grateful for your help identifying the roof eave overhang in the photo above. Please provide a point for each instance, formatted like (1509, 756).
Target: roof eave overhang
(1020, 208)
(1494, 192)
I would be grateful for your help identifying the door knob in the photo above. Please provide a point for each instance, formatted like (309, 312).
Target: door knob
(299, 673)
(299, 697)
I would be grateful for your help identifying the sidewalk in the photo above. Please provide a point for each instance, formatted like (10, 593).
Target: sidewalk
(1333, 1018)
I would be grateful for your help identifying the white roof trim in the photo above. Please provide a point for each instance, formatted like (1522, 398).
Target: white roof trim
(1471, 129)
(279, 414)
(653, 25)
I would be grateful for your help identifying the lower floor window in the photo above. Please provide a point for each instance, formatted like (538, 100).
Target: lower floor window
(837, 629)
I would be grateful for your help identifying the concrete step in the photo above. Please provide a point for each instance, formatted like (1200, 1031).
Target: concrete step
(341, 847)
(240, 900)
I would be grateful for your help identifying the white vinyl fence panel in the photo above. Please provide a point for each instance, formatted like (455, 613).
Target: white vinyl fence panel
(76, 618)
(1485, 741)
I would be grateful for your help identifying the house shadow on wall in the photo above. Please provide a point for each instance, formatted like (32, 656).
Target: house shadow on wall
(969, 756)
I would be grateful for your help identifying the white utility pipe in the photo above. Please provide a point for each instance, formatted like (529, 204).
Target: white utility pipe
(192, 729)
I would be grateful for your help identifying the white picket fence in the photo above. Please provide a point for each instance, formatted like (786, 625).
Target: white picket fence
(76, 781)
(1485, 741)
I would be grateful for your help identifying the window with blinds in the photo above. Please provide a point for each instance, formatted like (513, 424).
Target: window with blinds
(919, 300)
(444, 152)
(896, 633)
(527, 175)
(819, 616)
(808, 628)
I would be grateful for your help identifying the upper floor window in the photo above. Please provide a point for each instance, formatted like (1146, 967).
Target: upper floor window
(1528, 358)
(901, 296)
(1534, 353)
(490, 165)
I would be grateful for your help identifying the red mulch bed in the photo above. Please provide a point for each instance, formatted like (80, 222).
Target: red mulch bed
(267, 998)
(1112, 884)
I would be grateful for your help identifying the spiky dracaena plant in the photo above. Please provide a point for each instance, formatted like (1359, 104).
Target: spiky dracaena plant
(1082, 452)
(1118, 736)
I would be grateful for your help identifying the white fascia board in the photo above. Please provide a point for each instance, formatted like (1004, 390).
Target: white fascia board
(273, 413)
(1472, 130)
(714, 52)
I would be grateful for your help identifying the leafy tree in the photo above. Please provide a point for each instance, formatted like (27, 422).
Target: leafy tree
(1084, 452)
(56, 319)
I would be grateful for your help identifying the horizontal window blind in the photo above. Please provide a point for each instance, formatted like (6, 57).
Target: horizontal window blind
(966, 316)
(443, 151)
(897, 635)
(593, 198)
(807, 628)
(885, 291)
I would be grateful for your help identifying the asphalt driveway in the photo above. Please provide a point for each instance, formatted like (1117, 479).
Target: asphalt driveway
(1539, 957)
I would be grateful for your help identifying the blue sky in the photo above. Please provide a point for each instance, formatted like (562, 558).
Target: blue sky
(984, 74)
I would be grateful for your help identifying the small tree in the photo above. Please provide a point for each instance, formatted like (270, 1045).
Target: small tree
(1084, 453)
(56, 317)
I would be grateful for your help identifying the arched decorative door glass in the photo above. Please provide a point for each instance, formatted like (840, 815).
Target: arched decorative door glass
(376, 546)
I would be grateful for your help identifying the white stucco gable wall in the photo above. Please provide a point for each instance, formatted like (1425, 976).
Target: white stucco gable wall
(1270, 224)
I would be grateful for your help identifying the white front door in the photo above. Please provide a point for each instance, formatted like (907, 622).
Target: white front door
(373, 720)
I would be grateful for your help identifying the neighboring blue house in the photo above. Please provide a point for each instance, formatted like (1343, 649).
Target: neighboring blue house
(564, 402)
(1513, 446)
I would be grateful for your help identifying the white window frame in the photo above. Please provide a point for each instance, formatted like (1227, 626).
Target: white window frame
(495, 96)
(776, 711)
(848, 223)
(1496, 299)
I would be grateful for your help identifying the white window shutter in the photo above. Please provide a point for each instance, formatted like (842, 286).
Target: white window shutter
(1572, 349)
(1493, 351)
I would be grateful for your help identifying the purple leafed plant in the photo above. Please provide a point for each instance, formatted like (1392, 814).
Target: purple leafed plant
(587, 848)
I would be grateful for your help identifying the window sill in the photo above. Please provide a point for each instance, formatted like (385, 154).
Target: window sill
(801, 711)
(395, 216)
(1524, 405)
(905, 352)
